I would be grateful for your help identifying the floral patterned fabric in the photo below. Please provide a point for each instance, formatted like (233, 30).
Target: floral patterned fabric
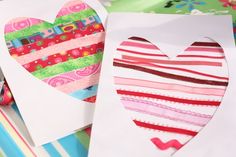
(216, 7)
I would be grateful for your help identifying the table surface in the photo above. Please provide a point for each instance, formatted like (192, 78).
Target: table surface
(12, 136)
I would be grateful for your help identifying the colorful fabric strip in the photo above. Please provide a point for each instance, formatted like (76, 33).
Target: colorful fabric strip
(64, 46)
(71, 76)
(43, 26)
(68, 66)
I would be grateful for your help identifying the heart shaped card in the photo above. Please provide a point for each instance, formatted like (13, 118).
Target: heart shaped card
(168, 79)
(51, 61)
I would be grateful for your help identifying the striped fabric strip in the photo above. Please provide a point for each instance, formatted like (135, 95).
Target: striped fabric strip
(171, 62)
(218, 50)
(171, 76)
(18, 139)
(43, 26)
(169, 86)
(60, 149)
(54, 149)
(73, 146)
(163, 55)
(159, 110)
(68, 66)
(51, 150)
(8, 145)
(168, 98)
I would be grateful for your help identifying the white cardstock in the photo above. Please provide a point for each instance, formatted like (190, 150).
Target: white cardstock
(114, 134)
(48, 114)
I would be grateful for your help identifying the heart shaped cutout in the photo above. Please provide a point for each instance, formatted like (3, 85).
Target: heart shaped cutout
(67, 54)
(170, 101)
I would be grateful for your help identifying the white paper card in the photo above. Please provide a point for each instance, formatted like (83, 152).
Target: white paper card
(48, 114)
(114, 134)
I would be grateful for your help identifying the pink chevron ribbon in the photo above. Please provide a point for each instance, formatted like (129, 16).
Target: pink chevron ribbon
(170, 144)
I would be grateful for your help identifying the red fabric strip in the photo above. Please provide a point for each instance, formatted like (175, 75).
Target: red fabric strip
(164, 128)
(63, 57)
(138, 39)
(173, 99)
(202, 56)
(209, 44)
(91, 99)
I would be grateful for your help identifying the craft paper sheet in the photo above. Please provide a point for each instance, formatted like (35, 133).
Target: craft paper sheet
(167, 92)
(51, 61)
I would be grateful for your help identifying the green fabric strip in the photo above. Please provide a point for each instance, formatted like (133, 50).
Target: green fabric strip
(70, 65)
(27, 31)
(45, 25)
(75, 17)
(83, 138)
